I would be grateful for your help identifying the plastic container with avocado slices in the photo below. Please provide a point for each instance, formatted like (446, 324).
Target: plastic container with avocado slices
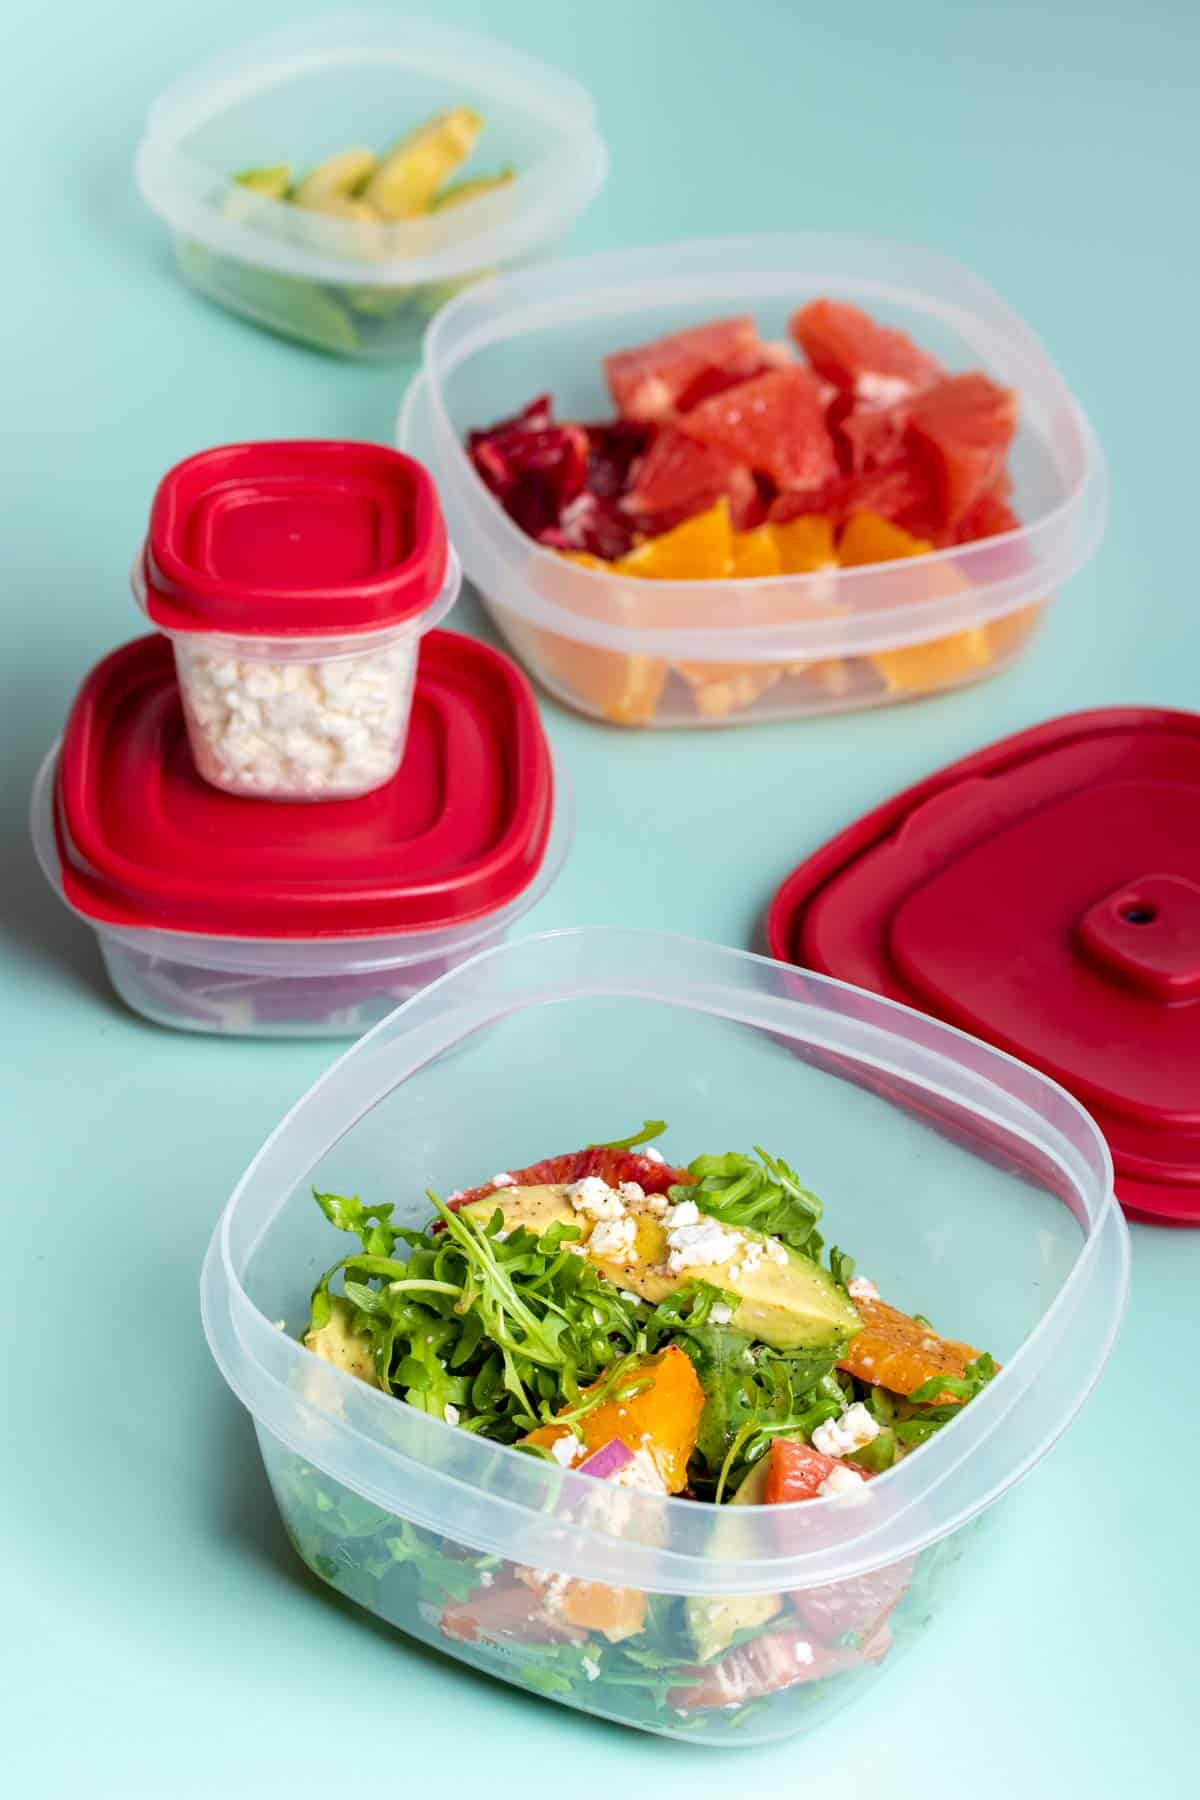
(970, 1187)
(303, 95)
(717, 652)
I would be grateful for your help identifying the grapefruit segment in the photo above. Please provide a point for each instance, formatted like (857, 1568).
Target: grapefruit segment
(967, 422)
(679, 477)
(647, 381)
(610, 1165)
(774, 423)
(872, 361)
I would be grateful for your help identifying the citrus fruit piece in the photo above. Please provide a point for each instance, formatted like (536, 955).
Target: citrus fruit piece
(411, 173)
(678, 477)
(623, 689)
(871, 538)
(719, 689)
(903, 490)
(1015, 629)
(847, 347)
(899, 1353)
(647, 381)
(662, 1417)
(967, 422)
(767, 1665)
(460, 193)
(335, 180)
(699, 549)
(804, 544)
(503, 1614)
(757, 552)
(774, 423)
(921, 668)
(611, 1165)
(273, 183)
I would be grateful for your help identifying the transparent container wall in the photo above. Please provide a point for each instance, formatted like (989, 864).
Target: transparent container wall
(625, 689)
(194, 997)
(735, 1670)
(946, 1225)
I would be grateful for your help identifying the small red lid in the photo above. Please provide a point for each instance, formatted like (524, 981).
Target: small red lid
(1043, 894)
(458, 833)
(294, 538)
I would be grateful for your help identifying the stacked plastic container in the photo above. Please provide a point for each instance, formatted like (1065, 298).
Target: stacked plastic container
(298, 584)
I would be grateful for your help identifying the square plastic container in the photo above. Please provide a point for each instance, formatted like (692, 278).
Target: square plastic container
(306, 93)
(719, 652)
(1003, 1228)
(242, 918)
(295, 581)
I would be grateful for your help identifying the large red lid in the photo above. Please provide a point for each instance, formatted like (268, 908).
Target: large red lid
(294, 538)
(1043, 894)
(459, 831)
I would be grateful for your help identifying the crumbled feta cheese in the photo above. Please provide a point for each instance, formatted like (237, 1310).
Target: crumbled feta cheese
(641, 1472)
(721, 1314)
(652, 1154)
(803, 1653)
(655, 1203)
(595, 1198)
(701, 1245)
(451, 1414)
(554, 1593)
(628, 1294)
(590, 1667)
(614, 1239)
(862, 1289)
(328, 728)
(486, 1578)
(631, 1192)
(841, 1437)
(565, 1449)
(504, 1180)
(841, 1483)
(684, 1212)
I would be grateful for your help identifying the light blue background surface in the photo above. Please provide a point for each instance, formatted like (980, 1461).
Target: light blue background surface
(158, 1637)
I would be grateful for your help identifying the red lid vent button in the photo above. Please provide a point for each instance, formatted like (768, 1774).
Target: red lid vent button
(1147, 934)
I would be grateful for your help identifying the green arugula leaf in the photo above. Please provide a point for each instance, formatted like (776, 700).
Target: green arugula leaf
(653, 1128)
(757, 1193)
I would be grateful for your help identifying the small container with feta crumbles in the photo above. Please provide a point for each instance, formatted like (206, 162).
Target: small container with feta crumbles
(236, 916)
(294, 580)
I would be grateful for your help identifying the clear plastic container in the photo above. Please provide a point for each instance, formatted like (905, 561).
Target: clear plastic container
(640, 652)
(1004, 1229)
(305, 93)
(295, 987)
(300, 718)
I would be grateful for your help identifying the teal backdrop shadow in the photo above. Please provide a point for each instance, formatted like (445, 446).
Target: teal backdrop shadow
(160, 1639)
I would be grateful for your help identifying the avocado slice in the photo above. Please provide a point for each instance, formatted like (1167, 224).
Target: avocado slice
(335, 181)
(340, 1343)
(789, 1303)
(714, 1620)
(404, 184)
(460, 192)
(273, 182)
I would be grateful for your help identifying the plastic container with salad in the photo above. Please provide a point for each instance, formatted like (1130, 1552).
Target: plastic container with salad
(339, 180)
(234, 915)
(751, 478)
(627, 1425)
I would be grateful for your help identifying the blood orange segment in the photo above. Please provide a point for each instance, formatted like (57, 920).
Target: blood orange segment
(899, 1353)
(774, 423)
(506, 1612)
(795, 1471)
(968, 423)
(862, 1604)
(872, 361)
(612, 1166)
(766, 1665)
(647, 381)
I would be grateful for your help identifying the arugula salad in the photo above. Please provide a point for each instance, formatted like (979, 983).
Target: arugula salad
(684, 1331)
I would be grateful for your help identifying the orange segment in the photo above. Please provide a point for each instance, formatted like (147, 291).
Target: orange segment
(699, 549)
(1009, 633)
(623, 689)
(870, 538)
(804, 544)
(663, 1418)
(915, 668)
(618, 1612)
(756, 552)
(719, 689)
(897, 1352)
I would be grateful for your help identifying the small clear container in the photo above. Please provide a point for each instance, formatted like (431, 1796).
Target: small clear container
(1004, 1230)
(344, 284)
(245, 919)
(668, 653)
(295, 581)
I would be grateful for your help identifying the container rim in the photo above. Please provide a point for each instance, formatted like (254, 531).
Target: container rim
(850, 611)
(509, 1504)
(546, 194)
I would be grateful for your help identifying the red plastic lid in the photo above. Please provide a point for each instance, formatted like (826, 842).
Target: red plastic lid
(458, 833)
(1043, 894)
(288, 539)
